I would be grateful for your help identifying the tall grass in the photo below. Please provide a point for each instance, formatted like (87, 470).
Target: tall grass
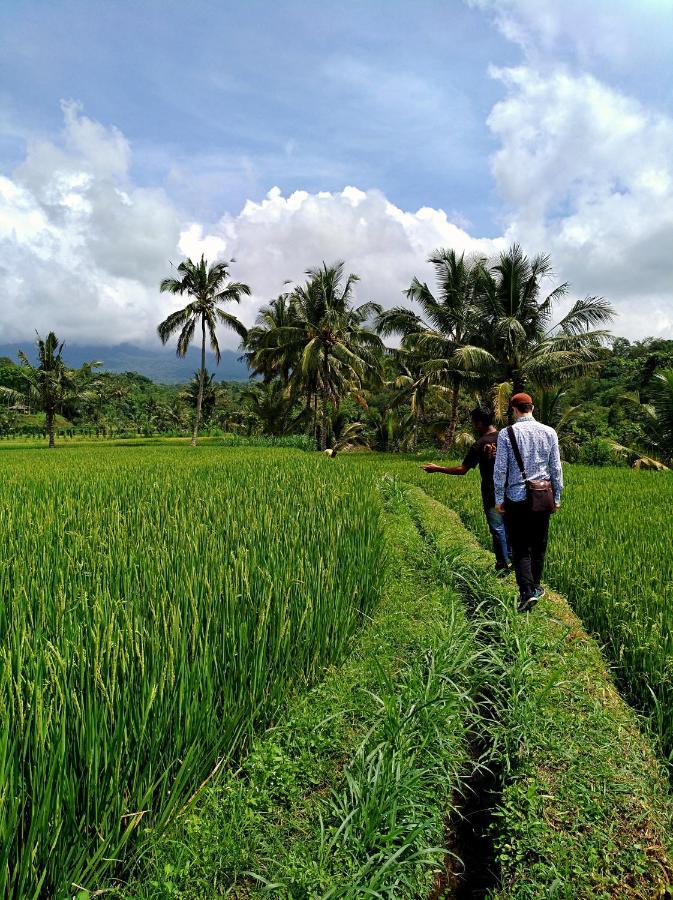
(157, 606)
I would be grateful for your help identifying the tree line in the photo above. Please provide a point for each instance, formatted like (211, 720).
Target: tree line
(482, 330)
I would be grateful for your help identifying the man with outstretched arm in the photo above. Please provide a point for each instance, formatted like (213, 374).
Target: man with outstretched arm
(532, 465)
(482, 453)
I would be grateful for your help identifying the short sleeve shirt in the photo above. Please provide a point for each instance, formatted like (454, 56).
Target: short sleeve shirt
(482, 454)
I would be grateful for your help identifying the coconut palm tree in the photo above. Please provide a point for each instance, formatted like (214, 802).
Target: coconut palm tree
(210, 288)
(265, 351)
(657, 418)
(335, 352)
(446, 334)
(51, 383)
(519, 330)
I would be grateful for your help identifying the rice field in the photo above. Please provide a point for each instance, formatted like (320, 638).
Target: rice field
(157, 608)
(611, 554)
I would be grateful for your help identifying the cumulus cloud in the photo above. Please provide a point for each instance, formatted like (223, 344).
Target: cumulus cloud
(587, 174)
(584, 172)
(82, 248)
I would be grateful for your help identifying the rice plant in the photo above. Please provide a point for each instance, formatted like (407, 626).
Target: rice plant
(157, 607)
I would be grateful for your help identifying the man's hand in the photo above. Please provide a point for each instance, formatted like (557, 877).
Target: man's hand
(500, 507)
(557, 506)
(431, 467)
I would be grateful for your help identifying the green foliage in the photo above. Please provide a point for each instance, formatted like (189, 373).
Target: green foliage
(350, 791)
(142, 643)
(610, 555)
(598, 452)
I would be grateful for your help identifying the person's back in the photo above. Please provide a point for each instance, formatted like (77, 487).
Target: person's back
(538, 446)
(527, 529)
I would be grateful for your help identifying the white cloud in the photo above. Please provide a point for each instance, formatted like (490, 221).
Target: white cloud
(82, 248)
(586, 173)
(619, 34)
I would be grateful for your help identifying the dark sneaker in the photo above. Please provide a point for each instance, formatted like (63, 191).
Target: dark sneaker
(539, 592)
(526, 603)
(503, 571)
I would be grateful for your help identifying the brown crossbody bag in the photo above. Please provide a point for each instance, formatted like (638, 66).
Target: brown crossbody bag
(539, 493)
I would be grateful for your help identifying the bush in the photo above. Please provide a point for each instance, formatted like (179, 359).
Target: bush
(599, 452)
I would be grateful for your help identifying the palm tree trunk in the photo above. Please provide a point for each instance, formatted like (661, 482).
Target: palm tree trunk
(323, 426)
(453, 420)
(202, 378)
(50, 427)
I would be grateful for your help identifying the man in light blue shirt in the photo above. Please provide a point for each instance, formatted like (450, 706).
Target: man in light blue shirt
(527, 530)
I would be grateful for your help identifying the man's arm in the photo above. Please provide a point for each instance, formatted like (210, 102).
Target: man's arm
(555, 469)
(470, 461)
(500, 470)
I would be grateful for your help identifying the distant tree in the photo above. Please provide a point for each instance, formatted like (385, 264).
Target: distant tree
(518, 329)
(335, 352)
(209, 394)
(209, 287)
(657, 416)
(446, 334)
(51, 383)
(271, 404)
(266, 351)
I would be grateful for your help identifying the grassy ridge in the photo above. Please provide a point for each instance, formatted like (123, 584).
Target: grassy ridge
(349, 793)
(158, 607)
(610, 555)
(586, 811)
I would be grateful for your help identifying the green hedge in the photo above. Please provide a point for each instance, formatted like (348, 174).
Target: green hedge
(586, 810)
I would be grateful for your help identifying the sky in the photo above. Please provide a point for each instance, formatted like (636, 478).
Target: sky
(283, 134)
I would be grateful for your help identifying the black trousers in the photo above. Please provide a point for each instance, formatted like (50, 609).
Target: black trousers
(527, 532)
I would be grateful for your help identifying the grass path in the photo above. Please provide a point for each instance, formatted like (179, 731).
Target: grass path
(585, 810)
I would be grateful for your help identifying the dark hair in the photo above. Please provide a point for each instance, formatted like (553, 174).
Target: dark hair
(522, 406)
(483, 415)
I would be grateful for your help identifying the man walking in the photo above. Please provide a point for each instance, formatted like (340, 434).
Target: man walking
(482, 453)
(528, 482)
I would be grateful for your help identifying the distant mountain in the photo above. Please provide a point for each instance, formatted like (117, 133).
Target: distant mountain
(160, 364)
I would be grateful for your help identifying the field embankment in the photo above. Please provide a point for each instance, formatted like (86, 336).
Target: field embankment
(585, 809)
(611, 554)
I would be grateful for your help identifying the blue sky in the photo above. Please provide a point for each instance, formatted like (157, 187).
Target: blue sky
(220, 101)
(474, 123)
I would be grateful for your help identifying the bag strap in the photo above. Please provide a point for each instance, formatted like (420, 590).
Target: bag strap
(517, 452)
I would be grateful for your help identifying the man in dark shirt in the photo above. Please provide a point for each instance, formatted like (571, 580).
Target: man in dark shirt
(482, 453)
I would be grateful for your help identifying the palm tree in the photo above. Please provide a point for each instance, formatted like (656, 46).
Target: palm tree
(335, 353)
(657, 418)
(51, 383)
(446, 335)
(265, 351)
(518, 328)
(209, 286)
